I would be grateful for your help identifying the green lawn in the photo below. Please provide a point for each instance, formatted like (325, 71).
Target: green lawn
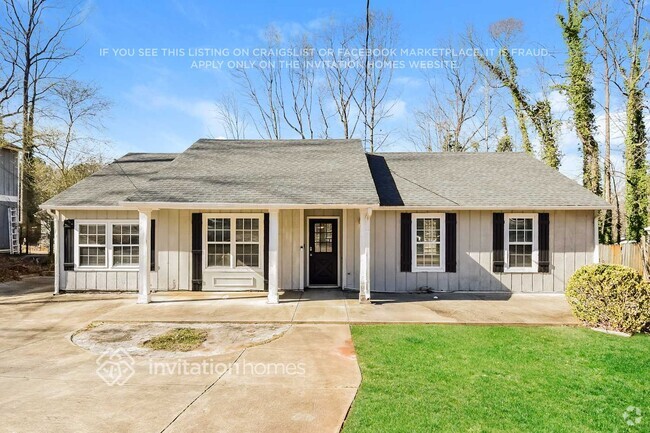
(498, 379)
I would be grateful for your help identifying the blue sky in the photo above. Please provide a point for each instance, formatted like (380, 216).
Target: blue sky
(162, 104)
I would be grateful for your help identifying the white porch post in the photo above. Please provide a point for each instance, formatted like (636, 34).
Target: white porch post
(58, 250)
(144, 296)
(364, 249)
(274, 243)
(596, 241)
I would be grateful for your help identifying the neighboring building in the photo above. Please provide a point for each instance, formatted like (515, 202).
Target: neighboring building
(9, 193)
(290, 214)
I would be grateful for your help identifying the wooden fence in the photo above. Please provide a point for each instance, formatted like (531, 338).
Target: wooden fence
(630, 254)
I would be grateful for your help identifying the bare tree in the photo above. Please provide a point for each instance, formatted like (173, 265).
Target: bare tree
(380, 32)
(297, 105)
(423, 135)
(75, 115)
(282, 91)
(38, 47)
(232, 117)
(538, 112)
(341, 81)
(605, 30)
(260, 85)
(456, 106)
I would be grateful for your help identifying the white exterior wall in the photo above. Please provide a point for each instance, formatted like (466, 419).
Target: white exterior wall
(571, 246)
(173, 255)
(108, 280)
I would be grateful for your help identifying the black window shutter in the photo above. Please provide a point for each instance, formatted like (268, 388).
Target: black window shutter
(197, 251)
(543, 233)
(450, 242)
(498, 225)
(266, 251)
(68, 245)
(405, 243)
(152, 257)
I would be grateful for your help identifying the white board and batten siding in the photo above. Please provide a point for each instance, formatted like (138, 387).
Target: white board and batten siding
(571, 246)
(173, 253)
(99, 280)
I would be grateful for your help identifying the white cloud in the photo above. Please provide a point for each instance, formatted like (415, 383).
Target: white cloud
(201, 109)
(396, 109)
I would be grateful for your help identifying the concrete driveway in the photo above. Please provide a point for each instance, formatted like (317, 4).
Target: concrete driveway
(303, 381)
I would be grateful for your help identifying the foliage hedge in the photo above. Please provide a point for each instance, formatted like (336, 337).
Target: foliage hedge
(612, 297)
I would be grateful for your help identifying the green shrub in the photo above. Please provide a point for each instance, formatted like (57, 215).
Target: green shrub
(610, 296)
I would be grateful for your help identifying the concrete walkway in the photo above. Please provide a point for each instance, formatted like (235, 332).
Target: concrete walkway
(336, 306)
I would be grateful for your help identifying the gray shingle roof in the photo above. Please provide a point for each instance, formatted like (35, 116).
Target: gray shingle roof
(113, 183)
(327, 172)
(296, 172)
(498, 180)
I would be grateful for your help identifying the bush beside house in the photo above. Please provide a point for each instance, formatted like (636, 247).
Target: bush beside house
(612, 297)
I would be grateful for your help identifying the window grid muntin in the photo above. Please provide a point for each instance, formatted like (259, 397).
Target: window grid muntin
(521, 242)
(125, 244)
(428, 249)
(91, 244)
(240, 247)
(323, 237)
(247, 242)
(219, 235)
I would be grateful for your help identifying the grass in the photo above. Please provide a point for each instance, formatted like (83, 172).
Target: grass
(178, 340)
(498, 379)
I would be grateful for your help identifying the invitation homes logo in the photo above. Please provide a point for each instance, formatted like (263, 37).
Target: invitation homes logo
(117, 367)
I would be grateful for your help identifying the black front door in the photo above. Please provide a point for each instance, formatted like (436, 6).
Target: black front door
(323, 252)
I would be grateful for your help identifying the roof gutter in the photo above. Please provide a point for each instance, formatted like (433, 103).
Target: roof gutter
(207, 205)
(124, 205)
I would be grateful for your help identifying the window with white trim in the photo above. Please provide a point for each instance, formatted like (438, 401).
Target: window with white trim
(219, 242)
(92, 245)
(126, 244)
(107, 245)
(234, 241)
(428, 233)
(521, 242)
(247, 242)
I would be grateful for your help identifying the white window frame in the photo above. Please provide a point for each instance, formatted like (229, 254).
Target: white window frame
(108, 224)
(233, 243)
(506, 234)
(414, 261)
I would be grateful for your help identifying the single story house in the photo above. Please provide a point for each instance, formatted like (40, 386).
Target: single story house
(289, 214)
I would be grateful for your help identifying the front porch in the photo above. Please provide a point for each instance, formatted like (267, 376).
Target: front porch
(254, 250)
(335, 306)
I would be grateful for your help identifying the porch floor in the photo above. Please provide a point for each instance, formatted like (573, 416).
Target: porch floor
(337, 306)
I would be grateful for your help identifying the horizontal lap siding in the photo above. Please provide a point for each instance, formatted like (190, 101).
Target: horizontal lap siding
(571, 246)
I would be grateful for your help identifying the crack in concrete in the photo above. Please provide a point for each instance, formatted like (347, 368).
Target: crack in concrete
(203, 392)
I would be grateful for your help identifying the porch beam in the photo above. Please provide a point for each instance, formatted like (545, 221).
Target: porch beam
(144, 292)
(364, 248)
(274, 243)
